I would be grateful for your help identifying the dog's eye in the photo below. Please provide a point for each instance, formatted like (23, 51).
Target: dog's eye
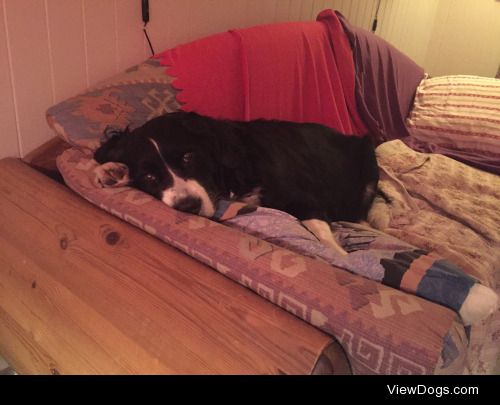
(187, 158)
(150, 178)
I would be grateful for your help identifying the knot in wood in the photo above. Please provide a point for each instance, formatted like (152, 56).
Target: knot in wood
(112, 238)
(63, 243)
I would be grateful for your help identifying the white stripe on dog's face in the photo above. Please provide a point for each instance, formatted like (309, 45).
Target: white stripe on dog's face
(182, 189)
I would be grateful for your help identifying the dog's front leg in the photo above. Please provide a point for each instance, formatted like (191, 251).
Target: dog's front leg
(322, 231)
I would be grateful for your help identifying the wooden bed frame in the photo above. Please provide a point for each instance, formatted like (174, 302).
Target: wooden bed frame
(82, 292)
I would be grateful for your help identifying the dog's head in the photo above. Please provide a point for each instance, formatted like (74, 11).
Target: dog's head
(174, 157)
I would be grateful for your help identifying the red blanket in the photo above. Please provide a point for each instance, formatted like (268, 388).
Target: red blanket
(299, 71)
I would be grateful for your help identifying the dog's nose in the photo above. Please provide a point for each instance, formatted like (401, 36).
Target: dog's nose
(189, 204)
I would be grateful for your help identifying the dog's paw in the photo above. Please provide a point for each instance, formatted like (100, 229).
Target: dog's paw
(111, 174)
(479, 304)
(379, 216)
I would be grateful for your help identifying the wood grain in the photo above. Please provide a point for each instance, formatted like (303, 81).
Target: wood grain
(82, 292)
(43, 158)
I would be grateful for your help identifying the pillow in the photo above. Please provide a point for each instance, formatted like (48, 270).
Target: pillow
(127, 99)
(458, 116)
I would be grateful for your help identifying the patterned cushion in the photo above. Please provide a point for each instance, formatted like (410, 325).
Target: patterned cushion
(127, 99)
(458, 116)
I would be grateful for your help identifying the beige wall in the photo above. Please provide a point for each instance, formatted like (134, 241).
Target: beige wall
(52, 49)
(406, 24)
(465, 38)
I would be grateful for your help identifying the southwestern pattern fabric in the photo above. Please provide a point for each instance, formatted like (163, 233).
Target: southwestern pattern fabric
(372, 254)
(382, 329)
(128, 99)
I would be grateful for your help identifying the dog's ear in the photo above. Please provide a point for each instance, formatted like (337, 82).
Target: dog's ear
(113, 146)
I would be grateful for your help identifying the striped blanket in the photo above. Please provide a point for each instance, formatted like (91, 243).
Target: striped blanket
(458, 116)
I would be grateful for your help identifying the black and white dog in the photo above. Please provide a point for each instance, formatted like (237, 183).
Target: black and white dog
(189, 162)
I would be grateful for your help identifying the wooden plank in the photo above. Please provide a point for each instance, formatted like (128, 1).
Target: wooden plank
(84, 292)
(43, 158)
(56, 324)
(20, 348)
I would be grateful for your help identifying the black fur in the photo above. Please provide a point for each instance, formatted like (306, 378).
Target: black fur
(307, 170)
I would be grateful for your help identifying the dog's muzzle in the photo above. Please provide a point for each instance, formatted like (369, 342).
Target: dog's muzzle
(189, 204)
